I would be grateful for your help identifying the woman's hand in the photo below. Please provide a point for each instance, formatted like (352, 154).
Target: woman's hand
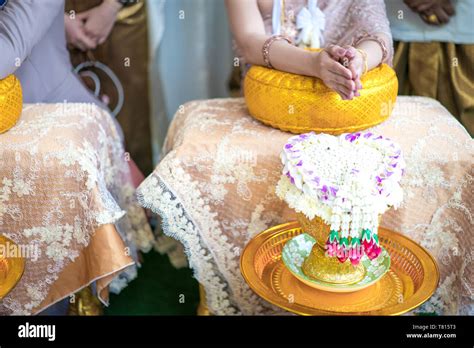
(355, 62)
(99, 21)
(333, 73)
(76, 35)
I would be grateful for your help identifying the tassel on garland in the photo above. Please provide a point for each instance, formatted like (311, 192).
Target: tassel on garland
(370, 243)
(353, 248)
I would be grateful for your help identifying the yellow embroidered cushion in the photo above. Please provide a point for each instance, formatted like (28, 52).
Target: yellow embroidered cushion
(301, 104)
(11, 102)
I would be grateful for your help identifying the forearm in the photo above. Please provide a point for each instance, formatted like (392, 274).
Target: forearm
(374, 51)
(249, 32)
(114, 4)
(9, 60)
(283, 56)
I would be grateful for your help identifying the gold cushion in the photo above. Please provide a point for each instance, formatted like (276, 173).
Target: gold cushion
(11, 102)
(300, 104)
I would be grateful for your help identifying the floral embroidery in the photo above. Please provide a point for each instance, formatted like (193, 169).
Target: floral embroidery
(215, 223)
(63, 174)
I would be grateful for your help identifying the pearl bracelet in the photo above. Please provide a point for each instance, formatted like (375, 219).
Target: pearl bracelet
(364, 55)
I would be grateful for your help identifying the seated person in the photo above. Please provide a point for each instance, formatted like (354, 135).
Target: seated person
(215, 187)
(33, 46)
(263, 30)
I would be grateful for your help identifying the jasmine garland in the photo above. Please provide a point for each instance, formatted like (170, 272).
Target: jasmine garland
(347, 180)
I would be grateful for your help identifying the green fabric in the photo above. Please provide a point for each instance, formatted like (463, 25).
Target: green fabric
(157, 290)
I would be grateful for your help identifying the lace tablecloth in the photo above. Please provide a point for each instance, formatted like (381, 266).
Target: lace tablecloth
(215, 190)
(67, 198)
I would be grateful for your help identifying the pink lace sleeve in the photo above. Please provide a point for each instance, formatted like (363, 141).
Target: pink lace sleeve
(370, 16)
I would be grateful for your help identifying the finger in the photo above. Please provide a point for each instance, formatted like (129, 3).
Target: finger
(425, 18)
(336, 51)
(424, 7)
(350, 51)
(358, 88)
(341, 93)
(442, 16)
(338, 69)
(102, 40)
(353, 70)
(347, 91)
(78, 44)
(347, 95)
(448, 8)
(348, 84)
(87, 42)
(334, 86)
(417, 3)
(411, 4)
(83, 15)
(341, 87)
(91, 33)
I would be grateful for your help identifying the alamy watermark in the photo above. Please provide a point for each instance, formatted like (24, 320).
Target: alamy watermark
(27, 251)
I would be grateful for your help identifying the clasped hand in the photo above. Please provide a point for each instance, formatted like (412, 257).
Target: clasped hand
(88, 29)
(341, 68)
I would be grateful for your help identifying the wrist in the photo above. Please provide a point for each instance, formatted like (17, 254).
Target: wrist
(115, 5)
(315, 64)
(362, 55)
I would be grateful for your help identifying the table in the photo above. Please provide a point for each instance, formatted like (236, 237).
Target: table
(67, 198)
(214, 190)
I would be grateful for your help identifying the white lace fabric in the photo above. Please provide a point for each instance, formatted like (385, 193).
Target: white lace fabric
(63, 174)
(215, 190)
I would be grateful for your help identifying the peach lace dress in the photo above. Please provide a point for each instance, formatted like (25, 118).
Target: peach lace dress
(215, 187)
(344, 20)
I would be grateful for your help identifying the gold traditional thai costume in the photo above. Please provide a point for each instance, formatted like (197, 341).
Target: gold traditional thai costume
(436, 61)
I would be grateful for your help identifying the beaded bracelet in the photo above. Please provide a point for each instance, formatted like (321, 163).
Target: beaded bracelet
(364, 55)
(267, 45)
(369, 37)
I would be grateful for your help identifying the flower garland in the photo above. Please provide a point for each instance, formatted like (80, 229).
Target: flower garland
(348, 181)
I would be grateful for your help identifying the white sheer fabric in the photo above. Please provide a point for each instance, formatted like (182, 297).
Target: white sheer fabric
(159, 119)
(190, 65)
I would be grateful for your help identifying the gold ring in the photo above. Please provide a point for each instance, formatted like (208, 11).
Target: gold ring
(432, 18)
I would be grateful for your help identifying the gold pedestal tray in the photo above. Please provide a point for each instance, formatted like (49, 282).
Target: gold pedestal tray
(411, 280)
(11, 268)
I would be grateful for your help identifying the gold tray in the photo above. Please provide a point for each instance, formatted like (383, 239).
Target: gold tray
(15, 268)
(411, 280)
